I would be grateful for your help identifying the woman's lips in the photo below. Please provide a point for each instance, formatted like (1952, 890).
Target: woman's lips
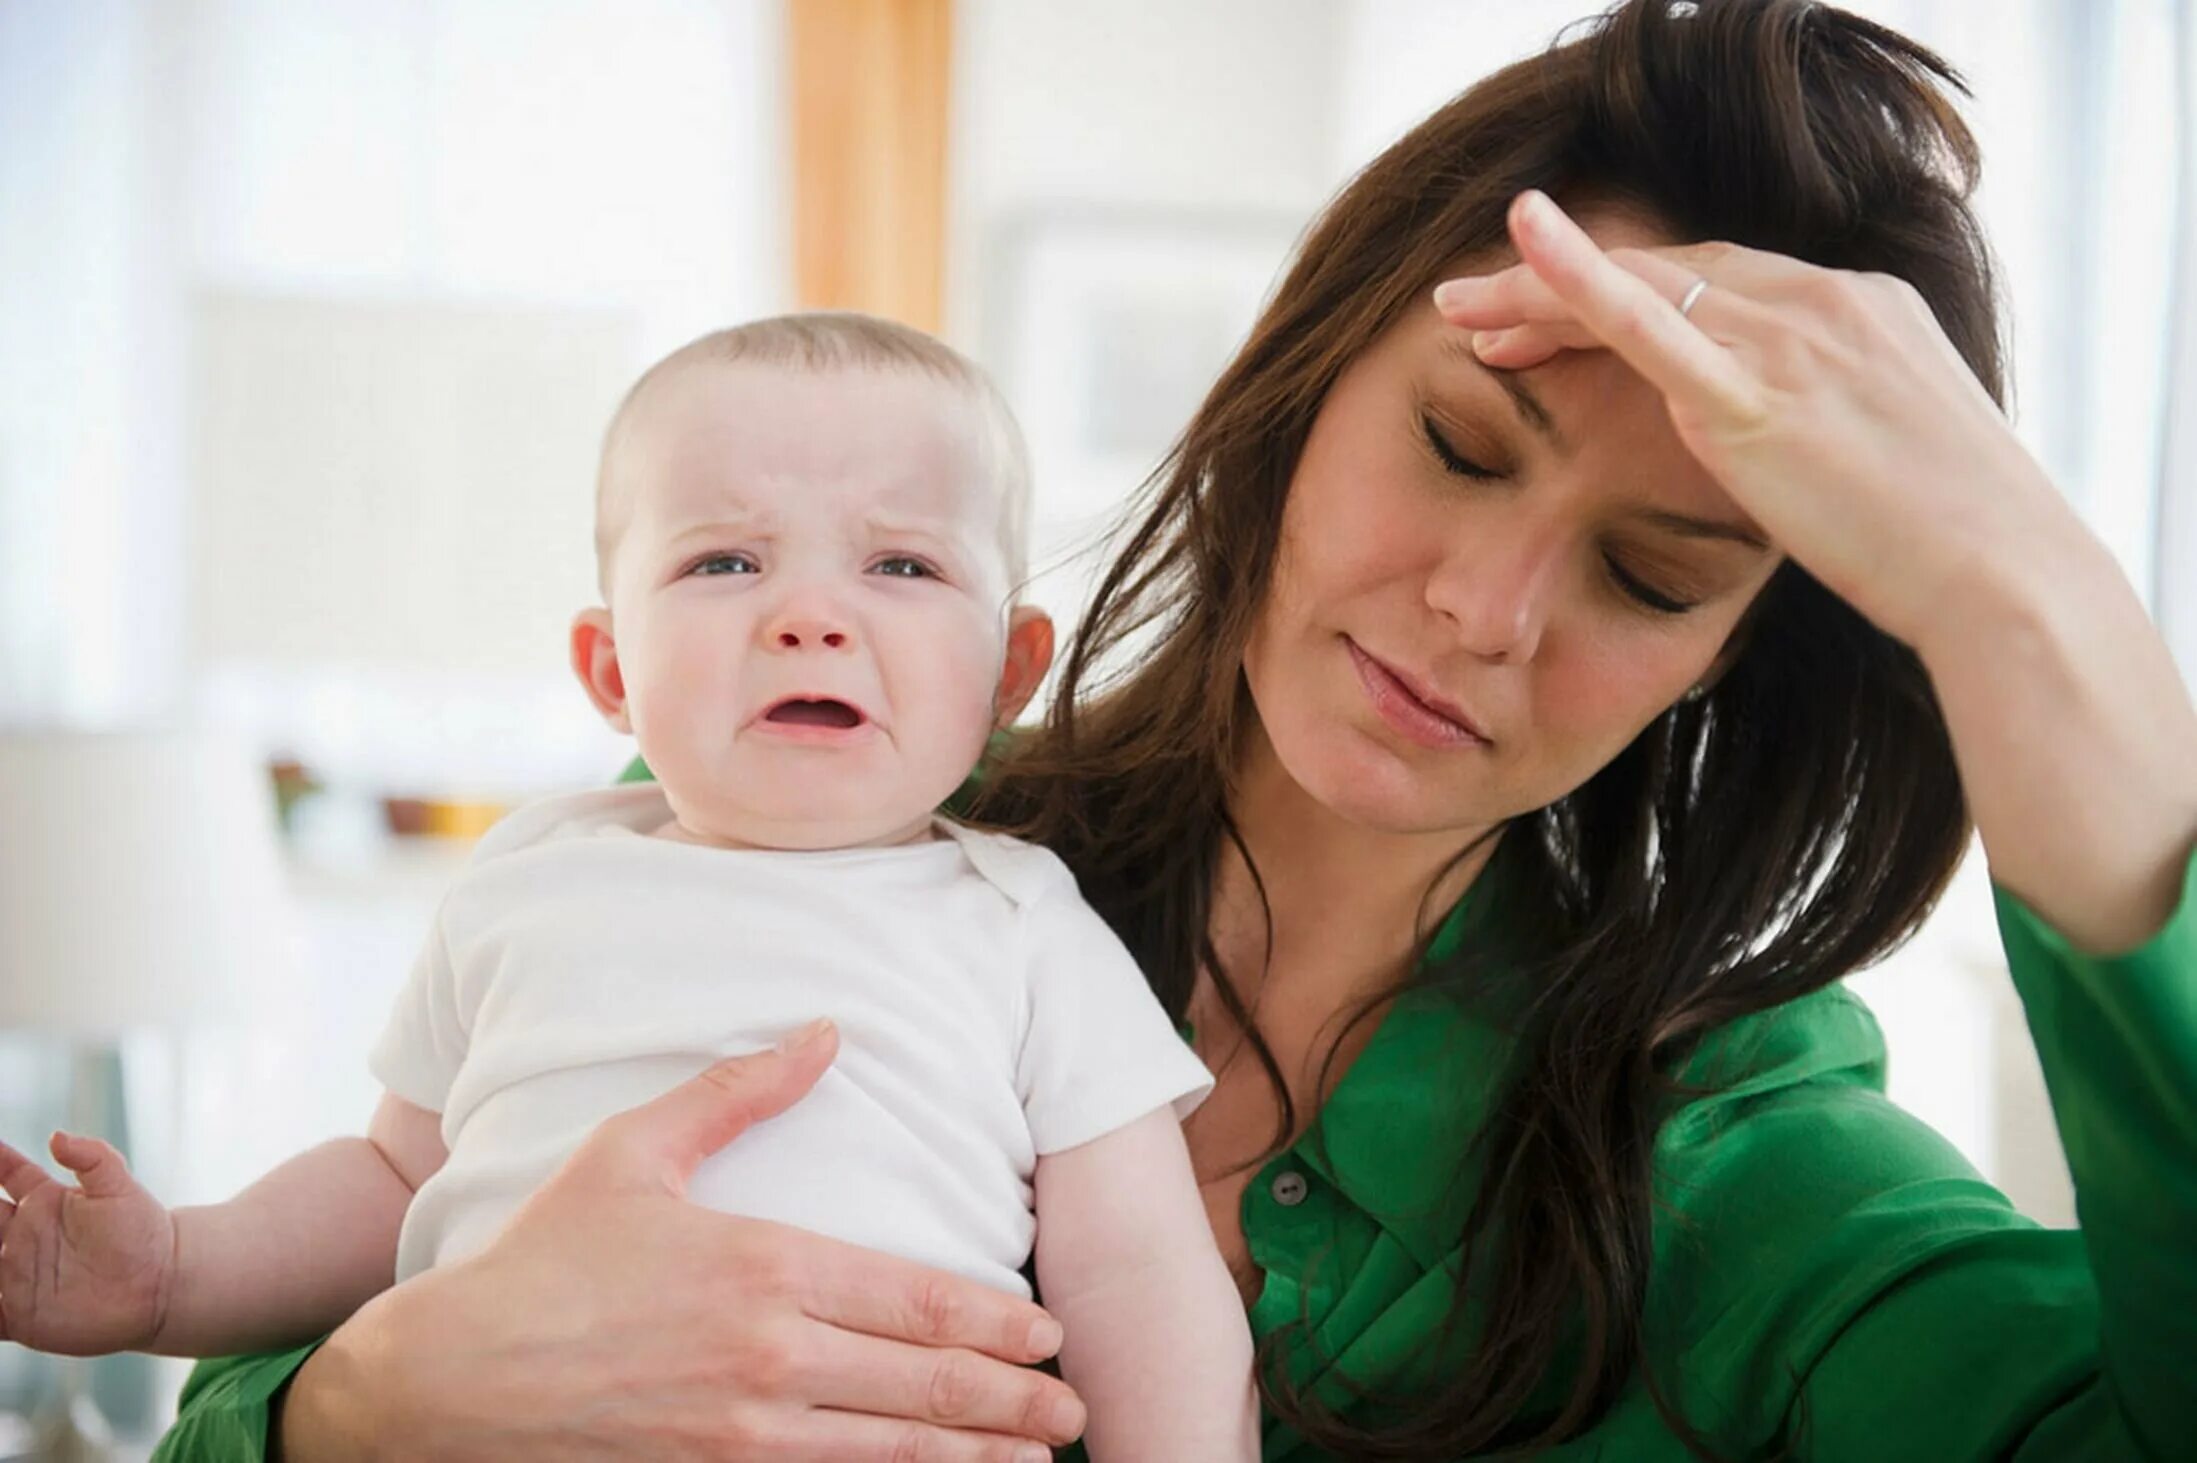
(1410, 717)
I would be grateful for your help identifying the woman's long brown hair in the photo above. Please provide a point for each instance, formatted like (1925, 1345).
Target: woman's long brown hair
(1747, 848)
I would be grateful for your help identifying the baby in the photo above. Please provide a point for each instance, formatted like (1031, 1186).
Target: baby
(809, 534)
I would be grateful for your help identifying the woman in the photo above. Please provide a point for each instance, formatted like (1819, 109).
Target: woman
(1507, 722)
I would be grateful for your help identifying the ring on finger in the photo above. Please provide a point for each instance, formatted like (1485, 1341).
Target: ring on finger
(1692, 296)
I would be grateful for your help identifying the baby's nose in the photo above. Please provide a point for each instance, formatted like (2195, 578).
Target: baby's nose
(793, 637)
(800, 629)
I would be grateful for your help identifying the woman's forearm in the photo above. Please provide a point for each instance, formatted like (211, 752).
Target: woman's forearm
(289, 1258)
(2076, 739)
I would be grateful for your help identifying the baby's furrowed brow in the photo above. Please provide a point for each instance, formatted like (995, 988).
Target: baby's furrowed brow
(755, 525)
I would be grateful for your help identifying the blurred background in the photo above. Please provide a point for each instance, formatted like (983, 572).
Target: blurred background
(312, 312)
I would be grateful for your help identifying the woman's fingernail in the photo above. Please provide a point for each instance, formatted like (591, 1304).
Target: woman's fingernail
(1535, 211)
(1045, 1336)
(1451, 293)
(807, 1036)
(1068, 1418)
(1484, 341)
(1032, 1453)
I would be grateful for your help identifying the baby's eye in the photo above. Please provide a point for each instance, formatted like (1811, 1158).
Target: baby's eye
(713, 564)
(900, 566)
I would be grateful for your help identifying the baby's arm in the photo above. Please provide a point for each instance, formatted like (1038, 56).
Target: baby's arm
(1156, 1341)
(105, 1268)
(296, 1253)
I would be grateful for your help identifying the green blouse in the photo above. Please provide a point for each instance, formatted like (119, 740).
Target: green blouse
(1829, 1274)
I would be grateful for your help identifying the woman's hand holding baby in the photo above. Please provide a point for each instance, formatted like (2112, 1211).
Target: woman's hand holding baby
(85, 1268)
(634, 1314)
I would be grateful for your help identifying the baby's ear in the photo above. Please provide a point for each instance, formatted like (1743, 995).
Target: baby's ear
(1029, 657)
(595, 662)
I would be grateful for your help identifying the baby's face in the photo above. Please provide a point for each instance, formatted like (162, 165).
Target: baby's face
(807, 600)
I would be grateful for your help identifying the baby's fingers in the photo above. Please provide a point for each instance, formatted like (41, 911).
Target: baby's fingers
(103, 1172)
(20, 1176)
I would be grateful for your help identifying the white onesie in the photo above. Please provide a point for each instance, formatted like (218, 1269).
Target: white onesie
(579, 967)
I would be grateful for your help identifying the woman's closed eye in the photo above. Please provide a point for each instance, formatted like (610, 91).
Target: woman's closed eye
(1644, 594)
(1446, 453)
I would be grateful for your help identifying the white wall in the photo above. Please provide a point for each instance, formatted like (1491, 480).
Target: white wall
(1125, 182)
(90, 479)
(575, 152)
(1143, 106)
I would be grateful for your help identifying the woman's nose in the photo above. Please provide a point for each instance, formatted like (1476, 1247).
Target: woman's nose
(1499, 591)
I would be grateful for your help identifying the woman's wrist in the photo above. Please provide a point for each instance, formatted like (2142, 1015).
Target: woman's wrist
(338, 1405)
(1998, 573)
(2074, 732)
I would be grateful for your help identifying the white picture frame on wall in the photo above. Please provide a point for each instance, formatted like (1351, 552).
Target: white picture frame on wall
(1110, 328)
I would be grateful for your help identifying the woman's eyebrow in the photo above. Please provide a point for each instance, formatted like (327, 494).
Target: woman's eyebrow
(1528, 406)
(1679, 523)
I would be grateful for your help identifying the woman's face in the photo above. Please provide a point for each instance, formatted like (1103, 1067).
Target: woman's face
(1488, 583)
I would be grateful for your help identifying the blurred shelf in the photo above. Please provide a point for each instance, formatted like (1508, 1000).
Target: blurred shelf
(403, 868)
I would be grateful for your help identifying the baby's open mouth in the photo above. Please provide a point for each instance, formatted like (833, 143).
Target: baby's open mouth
(801, 711)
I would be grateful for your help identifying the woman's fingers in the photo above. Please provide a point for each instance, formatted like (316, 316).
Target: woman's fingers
(1522, 347)
(21, 1177)
(1520, 295)
(851, 1437)
(883, 1295)
(1632, 318)
(949, 1386)
(659, 1144)
(1518, 320)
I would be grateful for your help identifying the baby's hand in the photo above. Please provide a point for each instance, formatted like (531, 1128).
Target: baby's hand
(83, 1271)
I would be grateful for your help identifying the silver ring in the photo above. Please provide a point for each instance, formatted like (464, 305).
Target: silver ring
(1693, 295)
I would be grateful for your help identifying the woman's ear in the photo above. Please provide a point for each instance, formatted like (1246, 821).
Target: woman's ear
(1029, 657)
(595, 662)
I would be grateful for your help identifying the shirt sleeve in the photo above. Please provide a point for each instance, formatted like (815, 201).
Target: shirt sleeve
(419, 1050)
(1098, 1051)
(1847, 1287)
(2117, 1038)
(227, 1407)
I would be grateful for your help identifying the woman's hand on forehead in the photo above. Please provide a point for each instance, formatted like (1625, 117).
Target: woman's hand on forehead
(1827, 403)
(1835, 411)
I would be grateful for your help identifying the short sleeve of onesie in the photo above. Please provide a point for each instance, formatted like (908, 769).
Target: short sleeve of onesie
(420, 1047)
(1099, 1051)
(417, 1055)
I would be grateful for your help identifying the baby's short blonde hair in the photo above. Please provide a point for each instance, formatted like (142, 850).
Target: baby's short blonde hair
(833, 340)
